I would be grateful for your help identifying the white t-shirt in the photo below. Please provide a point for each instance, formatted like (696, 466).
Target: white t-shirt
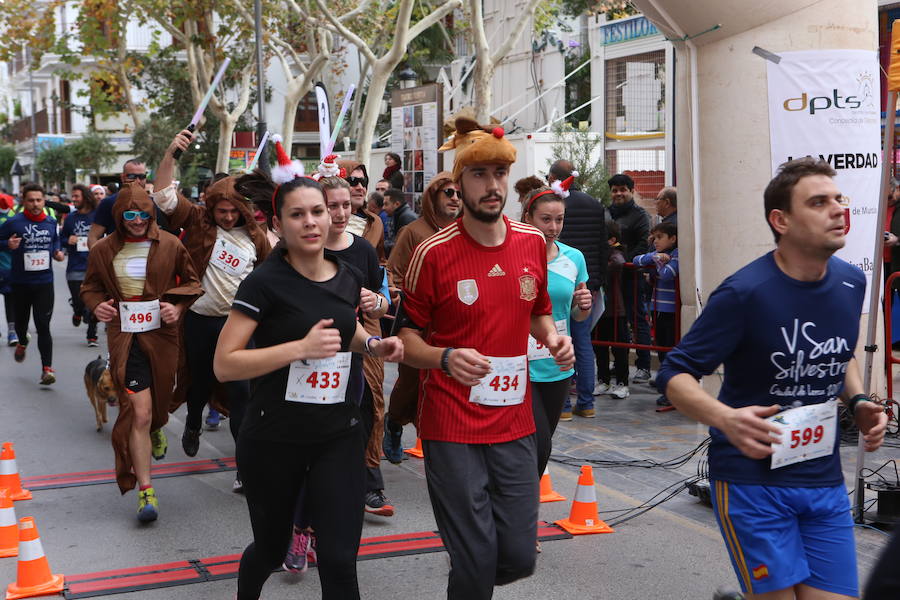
(231, 261)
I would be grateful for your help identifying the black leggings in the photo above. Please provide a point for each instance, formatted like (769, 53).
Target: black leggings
(79, 308)
(612, 330)
(547, 400)
(8, 306)
(36, 299)
(332, 475)
(201, 333)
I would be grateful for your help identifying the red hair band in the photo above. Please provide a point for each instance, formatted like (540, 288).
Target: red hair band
(535, 197)
(275, 193)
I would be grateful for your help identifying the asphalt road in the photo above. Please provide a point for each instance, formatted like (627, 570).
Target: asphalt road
(672, 552)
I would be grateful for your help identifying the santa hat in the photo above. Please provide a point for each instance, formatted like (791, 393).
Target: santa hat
(562, 187)
(329, 168)
(286, 169)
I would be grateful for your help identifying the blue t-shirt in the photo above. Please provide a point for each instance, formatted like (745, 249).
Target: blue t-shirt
(77, 224)
(564, 272)
(780, 340)
(39, 241)
(103, 214)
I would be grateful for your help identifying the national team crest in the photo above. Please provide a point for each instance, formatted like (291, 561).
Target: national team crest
(527, 287)
(467, 291)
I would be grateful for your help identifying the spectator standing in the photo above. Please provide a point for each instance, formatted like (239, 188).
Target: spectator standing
(612, 326)
(634, 222)
(585, 230)
(392, 172)
(667, 205)
(399, 216)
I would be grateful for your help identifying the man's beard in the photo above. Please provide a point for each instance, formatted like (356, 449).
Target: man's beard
(477, 213)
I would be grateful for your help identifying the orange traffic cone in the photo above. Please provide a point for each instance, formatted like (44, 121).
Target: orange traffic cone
(547, 492)
(33, 577)
(9, 534)
(584, 517)
(9, 474)
(417, 451)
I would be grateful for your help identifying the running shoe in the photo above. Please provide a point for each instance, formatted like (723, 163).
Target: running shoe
(92, 342)
(585, 413)
(619, 392)
(160, 444)
(238, 486)
(212, 420)
(19, 354)
(311, 556)
(641, 376)
(76, 320)
(663, 401)
(12, 339)
(190, 441)
(392, 443)
(48, 377)
(295, 560)
(601, 388)
(565, 415)
(148, 506)
(378, 504)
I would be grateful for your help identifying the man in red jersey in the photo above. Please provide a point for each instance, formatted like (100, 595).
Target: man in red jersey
(474, 291)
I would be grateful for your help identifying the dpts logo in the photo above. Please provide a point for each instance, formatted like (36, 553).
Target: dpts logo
(862, 98)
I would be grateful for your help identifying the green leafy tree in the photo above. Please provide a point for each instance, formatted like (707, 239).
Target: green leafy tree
(55, 165)
(7, 158)
(583, 149)
(93, 152)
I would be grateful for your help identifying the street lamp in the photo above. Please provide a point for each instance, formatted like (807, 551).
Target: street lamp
(408, 78)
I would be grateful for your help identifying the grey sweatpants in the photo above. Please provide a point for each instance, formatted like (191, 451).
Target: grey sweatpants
(485, 502)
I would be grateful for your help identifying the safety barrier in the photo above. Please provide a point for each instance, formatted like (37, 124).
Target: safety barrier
(889, 359)
(637, 282)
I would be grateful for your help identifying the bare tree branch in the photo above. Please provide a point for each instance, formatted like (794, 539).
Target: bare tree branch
(435, 16)
(521, 22)
(349, 35)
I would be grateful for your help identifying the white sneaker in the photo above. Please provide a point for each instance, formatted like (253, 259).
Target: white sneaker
(619, 392)
(601, 388)
(641, 376)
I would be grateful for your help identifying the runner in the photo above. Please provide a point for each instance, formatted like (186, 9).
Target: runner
(32, 237)
(785, 328)
(5, 284)
(223, 235)
(300, 309)
(474, 291)
(440, 207)
(139, 281)
(567, 285)
(74, 236)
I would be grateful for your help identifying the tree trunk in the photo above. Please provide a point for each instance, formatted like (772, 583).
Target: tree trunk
(226, 129)
(377, 85)
(482, 96)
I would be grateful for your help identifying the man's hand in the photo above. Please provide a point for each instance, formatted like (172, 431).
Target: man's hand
(169, 313)
(59, 256)
(561, 349)
(747, 429)
(582, 298)
(891, 240)
(872, 422)
(390, 348)
(468, 366)
(73, 240)
(105, 311)
(181, 142)
(14, 241)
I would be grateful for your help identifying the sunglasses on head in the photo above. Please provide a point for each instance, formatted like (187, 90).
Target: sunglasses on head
(354, 181)
(133, 176)
(450, 192)
(131, 215)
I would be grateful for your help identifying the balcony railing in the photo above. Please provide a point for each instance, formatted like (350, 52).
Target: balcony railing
(21, 129)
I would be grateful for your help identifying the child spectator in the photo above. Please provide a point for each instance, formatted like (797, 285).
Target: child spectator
(665, 259)
(612, 326)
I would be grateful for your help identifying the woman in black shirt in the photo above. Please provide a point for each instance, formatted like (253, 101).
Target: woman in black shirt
(302, 430)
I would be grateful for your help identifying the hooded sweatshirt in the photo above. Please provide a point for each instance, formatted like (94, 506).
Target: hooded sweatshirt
(170, 277)
(245, 245)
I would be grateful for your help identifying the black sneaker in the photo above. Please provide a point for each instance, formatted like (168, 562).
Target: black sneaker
(76, 320)
(190, 441)
(392, 444)
(378, 504)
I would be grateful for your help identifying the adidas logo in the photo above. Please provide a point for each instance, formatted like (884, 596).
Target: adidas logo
(132, 383)
(496, 271)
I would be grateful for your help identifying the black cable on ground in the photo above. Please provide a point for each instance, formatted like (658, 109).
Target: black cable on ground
(642, 463)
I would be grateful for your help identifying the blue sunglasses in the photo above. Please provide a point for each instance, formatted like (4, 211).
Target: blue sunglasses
(131, 215)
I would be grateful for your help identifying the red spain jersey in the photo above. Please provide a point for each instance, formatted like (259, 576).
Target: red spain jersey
(465, 295)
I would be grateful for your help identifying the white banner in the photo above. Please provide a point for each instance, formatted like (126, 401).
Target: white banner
(825, 103)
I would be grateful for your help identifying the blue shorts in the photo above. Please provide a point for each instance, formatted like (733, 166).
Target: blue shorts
(778, 537)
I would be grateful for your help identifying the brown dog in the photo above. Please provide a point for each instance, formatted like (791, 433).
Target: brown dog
(98, 384)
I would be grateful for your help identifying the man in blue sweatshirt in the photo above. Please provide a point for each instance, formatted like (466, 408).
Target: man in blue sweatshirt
(785, 328)
(32, 238)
